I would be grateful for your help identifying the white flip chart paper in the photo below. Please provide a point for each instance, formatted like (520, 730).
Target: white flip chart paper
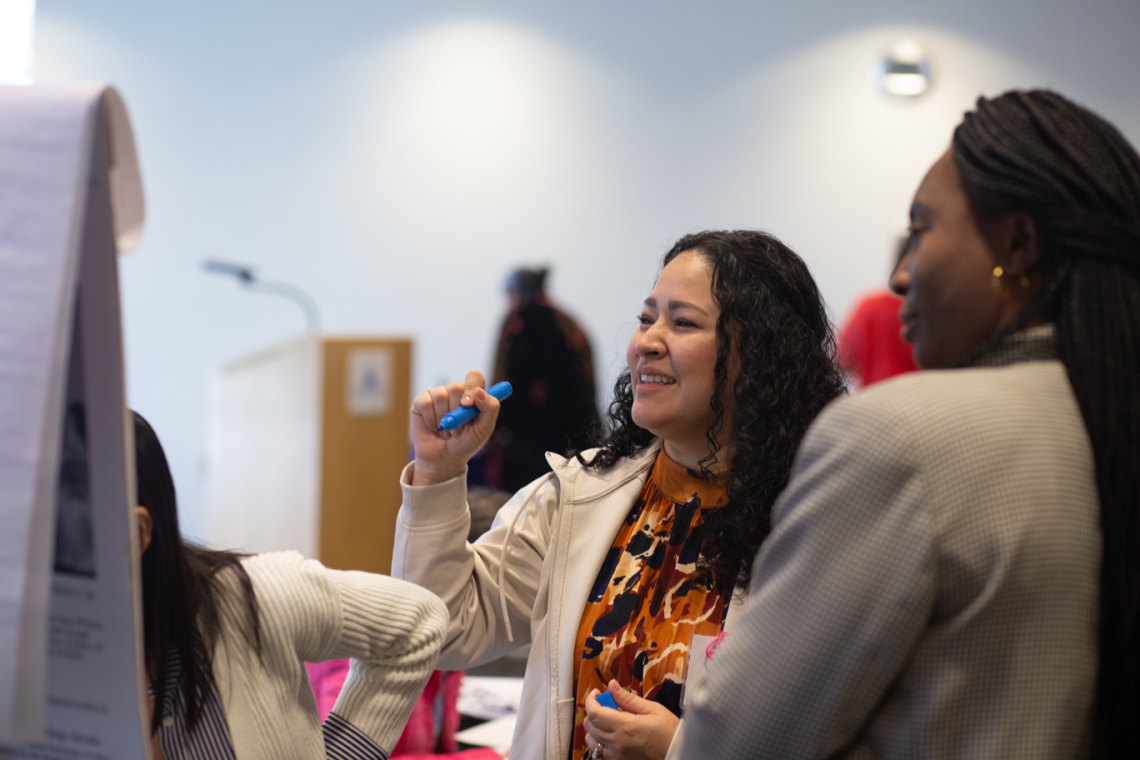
(70, 622)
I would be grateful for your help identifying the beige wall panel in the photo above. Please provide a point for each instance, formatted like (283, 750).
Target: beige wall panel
(365, 435)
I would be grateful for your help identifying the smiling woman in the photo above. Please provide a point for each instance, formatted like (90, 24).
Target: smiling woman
(669, 358)
(963, 288)
(612, 563)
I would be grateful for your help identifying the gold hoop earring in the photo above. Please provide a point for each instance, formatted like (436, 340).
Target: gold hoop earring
(996, 281)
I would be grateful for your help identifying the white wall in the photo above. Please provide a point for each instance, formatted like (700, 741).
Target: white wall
(396, 159)
(17, 40)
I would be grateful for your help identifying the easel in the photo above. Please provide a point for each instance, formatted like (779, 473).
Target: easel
(70, 616)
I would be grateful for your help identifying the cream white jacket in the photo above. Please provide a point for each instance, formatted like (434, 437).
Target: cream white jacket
(525, 581)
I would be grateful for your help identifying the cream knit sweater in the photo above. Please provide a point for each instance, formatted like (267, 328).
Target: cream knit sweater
(391, 629)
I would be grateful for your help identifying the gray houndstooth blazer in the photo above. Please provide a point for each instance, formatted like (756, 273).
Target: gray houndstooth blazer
(930, 588)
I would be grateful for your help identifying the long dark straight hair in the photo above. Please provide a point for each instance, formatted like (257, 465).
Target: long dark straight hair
(180, 588)
(1079, 179)
(774, 319)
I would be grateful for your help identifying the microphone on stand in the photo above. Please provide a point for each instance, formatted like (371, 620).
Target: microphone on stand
(248, 279)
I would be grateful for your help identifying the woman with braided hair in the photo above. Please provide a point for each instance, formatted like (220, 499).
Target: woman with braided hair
(954, 568)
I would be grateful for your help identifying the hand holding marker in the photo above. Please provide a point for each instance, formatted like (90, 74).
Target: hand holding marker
(465, 414)
(605, 699)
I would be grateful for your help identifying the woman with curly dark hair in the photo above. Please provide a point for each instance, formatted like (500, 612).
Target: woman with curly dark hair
(627, 557)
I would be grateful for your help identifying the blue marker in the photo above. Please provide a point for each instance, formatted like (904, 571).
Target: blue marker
(465, 414)
(605, 699)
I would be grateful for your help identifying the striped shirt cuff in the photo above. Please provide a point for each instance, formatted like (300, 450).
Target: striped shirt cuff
(344, 741)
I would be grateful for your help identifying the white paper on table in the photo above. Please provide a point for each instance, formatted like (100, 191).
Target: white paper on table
(489, 697)
(58, 188)
(496, 734)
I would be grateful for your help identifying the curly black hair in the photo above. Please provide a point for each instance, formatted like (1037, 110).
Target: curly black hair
(775, 320)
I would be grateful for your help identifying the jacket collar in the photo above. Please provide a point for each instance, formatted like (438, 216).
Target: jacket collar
(1036, 344)
(592, 484)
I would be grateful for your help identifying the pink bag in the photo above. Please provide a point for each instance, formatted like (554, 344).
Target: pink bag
(421, 737)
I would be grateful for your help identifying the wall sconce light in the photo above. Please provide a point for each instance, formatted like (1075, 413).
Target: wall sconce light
(904, 71)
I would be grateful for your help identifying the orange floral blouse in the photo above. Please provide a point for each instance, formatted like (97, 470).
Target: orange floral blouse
(648, 599)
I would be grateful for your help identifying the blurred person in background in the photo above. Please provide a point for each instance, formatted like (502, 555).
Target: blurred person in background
(871, 348)
(546, 357)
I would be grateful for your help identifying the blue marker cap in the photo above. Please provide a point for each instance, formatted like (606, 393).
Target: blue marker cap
(605, 699)
(465, 414)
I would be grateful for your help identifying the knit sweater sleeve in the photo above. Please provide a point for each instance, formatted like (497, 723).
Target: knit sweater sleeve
(390, 629)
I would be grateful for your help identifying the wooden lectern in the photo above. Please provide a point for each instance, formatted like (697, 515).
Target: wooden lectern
(305, 447)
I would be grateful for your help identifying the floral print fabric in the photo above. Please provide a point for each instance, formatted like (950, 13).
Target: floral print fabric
(649, 598)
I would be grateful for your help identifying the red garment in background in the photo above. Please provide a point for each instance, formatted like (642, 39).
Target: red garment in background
(422, 738)
(870, 347)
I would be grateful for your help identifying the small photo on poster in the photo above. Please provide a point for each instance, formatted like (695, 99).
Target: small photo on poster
(74, 532)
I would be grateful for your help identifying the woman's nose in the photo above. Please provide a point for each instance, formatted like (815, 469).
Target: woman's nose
(648, 342)
(900, 278)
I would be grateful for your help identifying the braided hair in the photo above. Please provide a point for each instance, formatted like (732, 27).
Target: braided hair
(773, 317)
(1079, 180)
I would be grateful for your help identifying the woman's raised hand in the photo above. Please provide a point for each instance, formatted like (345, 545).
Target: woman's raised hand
(442, 454)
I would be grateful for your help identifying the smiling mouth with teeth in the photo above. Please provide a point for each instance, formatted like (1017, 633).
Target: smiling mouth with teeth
(656, 380)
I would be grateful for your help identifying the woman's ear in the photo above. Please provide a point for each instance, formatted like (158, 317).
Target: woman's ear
(1022, 252)
(146, 528)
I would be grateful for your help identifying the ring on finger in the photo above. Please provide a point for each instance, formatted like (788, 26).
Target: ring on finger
(597, 753)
